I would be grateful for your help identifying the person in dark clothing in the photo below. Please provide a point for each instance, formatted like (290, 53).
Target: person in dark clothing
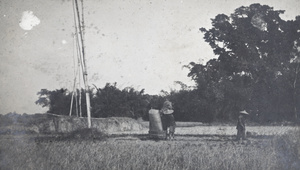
(241, 129)
(168, 120)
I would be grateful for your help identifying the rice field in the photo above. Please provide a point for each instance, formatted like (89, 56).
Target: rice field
(194, 147)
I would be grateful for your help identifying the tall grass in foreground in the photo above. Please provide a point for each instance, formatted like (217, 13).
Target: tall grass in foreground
(288, 150)
(278, 153)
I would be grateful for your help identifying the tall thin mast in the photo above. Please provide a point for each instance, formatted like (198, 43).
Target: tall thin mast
(85, 79)
(79, 61)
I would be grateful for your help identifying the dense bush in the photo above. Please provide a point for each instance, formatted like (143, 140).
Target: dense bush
(108, 101)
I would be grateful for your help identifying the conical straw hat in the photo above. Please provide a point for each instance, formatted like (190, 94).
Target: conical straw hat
(168, 111)
(244, 112)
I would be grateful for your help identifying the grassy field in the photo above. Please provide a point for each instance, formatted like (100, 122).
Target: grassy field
(136, 151)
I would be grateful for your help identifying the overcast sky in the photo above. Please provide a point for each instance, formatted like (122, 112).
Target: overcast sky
(136, 43)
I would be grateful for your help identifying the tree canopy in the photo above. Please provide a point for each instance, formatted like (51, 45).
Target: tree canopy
(257, 64)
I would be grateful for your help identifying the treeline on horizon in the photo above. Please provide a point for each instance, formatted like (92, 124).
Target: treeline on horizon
(256, 69)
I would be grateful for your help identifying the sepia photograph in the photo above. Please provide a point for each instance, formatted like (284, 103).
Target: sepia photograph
(150, 85)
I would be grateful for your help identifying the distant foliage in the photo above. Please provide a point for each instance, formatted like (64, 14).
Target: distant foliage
(108, 101)
(58, 101)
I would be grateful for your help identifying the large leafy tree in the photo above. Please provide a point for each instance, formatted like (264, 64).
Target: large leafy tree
(255, 48)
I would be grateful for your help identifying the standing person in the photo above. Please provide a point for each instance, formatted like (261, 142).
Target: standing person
(241, 129)
(168, 120)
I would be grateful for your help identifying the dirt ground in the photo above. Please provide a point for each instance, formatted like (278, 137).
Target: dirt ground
(189, 132)
(222, 135)
(195, 128)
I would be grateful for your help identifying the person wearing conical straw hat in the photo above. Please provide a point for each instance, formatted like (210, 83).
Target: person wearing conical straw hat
(241, 129)
(168, 120)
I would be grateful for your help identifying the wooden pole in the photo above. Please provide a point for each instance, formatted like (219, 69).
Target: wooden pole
(85, 79)
(80, 65)
(79, 84)
(75, 74)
